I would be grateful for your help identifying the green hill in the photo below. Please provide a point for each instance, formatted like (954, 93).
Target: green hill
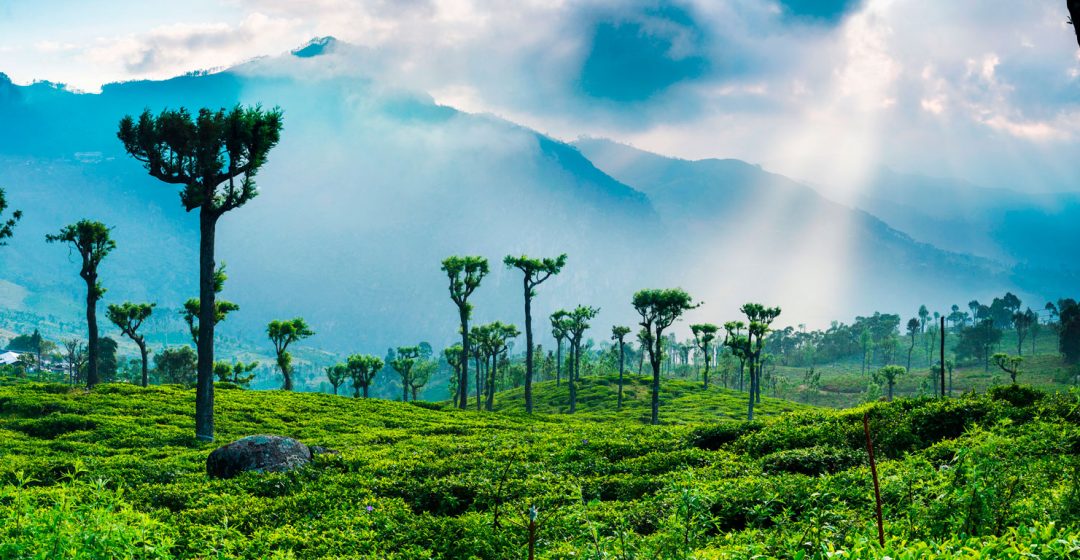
(116, 473)
(681, 401)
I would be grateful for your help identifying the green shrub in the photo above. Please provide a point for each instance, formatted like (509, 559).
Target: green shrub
(1016, 395)
(811, 461)
(715, 436)
(53, 425)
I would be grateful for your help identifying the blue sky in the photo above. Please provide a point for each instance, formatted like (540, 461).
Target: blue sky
(984, 90)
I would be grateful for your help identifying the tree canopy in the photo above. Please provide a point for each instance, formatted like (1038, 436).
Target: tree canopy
(7, 227)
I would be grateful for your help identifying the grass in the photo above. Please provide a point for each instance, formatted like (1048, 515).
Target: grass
(115, 472)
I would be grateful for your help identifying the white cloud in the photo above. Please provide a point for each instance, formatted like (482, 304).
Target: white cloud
(172, 49)
(946, 87)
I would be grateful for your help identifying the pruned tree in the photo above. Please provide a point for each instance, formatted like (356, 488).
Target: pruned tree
(759, 320)
(1008, 364)
(704, 335)
(336, 375)
(404, 360)
(362, 370)
(282, 334)
(93, 242)
(75, 354)
(659, 309)
(618, 334)
(576, 323)
(535, 271)
(128, 317)
(643, 344)
(237, 373)
(914, 327)
(558, 330)
(924, 316)
(465, 274)
(7, 227)
(422, 373)
(889, 375)
(215, 156)
(499, 338)
(1022, 322)
(452, 355)
(739, 345)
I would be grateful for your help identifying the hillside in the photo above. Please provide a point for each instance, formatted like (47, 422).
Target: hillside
(681, 401)
(372, 186)
(1007, 225)
(116, 473)
(810, 255)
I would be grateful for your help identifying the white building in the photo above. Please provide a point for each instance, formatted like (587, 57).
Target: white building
(8, 358)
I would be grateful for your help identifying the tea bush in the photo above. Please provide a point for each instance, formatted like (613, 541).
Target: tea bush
(116, 473)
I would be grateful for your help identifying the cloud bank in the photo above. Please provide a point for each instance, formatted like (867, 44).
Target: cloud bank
(984, 90)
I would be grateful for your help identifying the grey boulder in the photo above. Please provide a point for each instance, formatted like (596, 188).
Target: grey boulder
(259, 453)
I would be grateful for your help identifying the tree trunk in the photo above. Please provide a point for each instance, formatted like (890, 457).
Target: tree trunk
(144, 353)
(570, 376)
(405, 389)
(365, 391)
(479, 385)
(655, 360)
(528, 348)
(750, 410)
(286, 372)
(204, 384)
(943, 361)
(890, 390)
(414, 394)
(493, 369)
(92, 327)
(705, 375)
(621, 359)
(558, 363)
(463, 388)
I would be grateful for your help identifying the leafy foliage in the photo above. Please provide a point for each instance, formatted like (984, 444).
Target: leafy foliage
(7, 227)
(979, 476)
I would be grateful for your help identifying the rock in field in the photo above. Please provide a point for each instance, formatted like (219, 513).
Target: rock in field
(261, 453)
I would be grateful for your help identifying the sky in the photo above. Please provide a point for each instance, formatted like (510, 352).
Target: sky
(825, 91)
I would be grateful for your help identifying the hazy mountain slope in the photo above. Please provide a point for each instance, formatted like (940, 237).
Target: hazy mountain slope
(1037, 230)
(367, 192)
(769, 237)
(370, 188)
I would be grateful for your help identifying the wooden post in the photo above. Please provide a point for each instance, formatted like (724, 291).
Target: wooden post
(943, 356)
(873, 472)
(532, 532)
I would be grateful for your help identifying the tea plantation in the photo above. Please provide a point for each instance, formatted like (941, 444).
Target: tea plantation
(116, 473)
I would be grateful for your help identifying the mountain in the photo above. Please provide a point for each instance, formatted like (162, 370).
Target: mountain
(371, 187)
(1035, 233)
(368, 191)
(769, 237)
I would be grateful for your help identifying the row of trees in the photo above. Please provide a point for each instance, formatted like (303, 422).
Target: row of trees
(214, 157)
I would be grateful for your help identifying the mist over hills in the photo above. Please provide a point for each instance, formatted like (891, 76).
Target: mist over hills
(371, 187)
(1033, 230)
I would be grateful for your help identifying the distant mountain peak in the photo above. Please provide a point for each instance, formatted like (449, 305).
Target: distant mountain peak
(316, 47)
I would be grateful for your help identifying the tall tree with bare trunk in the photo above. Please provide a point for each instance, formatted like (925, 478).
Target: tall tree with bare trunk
(214, 156)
